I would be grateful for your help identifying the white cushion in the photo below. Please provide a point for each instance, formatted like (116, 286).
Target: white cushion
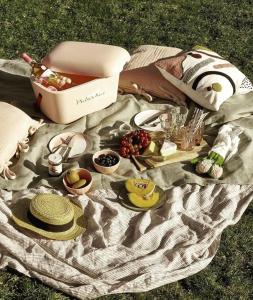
(204, 76)
(15, 127)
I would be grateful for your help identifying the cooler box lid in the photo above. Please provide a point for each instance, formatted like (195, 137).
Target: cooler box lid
(91, 59)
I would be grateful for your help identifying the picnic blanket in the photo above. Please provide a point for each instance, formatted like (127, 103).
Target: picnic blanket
(122, 250)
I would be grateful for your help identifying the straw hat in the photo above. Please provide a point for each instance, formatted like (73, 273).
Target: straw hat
(52, 216)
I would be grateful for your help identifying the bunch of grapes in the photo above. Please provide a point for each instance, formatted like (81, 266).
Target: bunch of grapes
(134, 143)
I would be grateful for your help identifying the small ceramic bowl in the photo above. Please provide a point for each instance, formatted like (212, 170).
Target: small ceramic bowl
(84, 174)
(103, 169)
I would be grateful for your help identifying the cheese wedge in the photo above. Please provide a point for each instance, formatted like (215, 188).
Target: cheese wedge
(168, 148)
(152, 149)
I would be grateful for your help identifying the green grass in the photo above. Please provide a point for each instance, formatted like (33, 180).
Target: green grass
(224, 26)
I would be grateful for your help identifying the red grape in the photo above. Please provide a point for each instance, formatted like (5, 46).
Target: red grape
(134, 143)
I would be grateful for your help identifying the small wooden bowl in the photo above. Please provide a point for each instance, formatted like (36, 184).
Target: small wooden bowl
(84, 174)
(103, 169)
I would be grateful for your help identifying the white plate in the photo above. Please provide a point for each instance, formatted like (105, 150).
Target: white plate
(78, 147)
(144, 115)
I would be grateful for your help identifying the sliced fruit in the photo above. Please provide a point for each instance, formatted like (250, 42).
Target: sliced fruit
(141, 201)
(139, 186)
(72, 177)
(79, 184)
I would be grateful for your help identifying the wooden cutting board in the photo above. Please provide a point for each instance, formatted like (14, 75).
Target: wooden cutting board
(158, 161)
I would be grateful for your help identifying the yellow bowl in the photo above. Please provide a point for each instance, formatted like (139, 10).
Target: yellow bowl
(103, 169)
(84, 174)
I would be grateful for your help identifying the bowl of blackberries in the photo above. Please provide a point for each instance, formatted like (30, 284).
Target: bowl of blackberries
(106, 161)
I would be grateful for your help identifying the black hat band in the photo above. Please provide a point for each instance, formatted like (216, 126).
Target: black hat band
(48, 227)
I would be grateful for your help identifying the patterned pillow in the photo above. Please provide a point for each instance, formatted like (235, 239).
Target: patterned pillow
(204, 76)
(140, 76)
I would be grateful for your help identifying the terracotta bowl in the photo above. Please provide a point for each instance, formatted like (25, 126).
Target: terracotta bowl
(103, 169)
(84, 174)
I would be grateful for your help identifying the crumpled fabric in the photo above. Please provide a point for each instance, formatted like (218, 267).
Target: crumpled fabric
(123, 250)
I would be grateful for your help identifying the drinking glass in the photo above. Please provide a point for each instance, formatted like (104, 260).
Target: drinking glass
(179, 116)
(199, 132)
(185, 141)
(190, 135)
(166, 124)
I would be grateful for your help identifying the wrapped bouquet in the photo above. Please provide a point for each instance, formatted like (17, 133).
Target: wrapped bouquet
(224, 147)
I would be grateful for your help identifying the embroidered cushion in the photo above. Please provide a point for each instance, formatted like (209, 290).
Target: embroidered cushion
(204, 76)
(140, 76)
(15, 127)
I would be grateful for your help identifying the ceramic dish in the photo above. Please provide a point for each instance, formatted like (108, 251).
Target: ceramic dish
(145, 115)
(104, 169)
(84, 174)
(78, 147)
(126, 203)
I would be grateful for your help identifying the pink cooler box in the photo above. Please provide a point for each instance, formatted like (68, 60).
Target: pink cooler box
(104, 62)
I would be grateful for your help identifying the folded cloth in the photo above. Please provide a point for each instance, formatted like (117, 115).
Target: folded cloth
(224, 147)
(227, 141)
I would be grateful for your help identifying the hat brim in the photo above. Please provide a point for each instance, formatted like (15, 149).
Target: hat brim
(19, 216)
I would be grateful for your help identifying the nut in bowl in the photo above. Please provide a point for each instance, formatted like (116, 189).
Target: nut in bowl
(77, 181)
(106, 161)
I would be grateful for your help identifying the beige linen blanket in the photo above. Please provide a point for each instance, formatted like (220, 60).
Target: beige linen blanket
(122, 250)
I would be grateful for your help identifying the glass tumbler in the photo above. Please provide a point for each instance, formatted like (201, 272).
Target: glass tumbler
(166, 124)
(186, 139)
(179, 116)
(198, 136)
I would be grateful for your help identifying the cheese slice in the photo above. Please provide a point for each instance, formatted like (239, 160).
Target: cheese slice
(168, 148)
(152, 149)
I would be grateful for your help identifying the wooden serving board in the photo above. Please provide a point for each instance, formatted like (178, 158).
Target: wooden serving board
(158, 161)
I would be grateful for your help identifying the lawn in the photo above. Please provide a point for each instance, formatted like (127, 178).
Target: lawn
(224, 26)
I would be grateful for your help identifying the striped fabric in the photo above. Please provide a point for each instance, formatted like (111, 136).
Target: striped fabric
(122, 250)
